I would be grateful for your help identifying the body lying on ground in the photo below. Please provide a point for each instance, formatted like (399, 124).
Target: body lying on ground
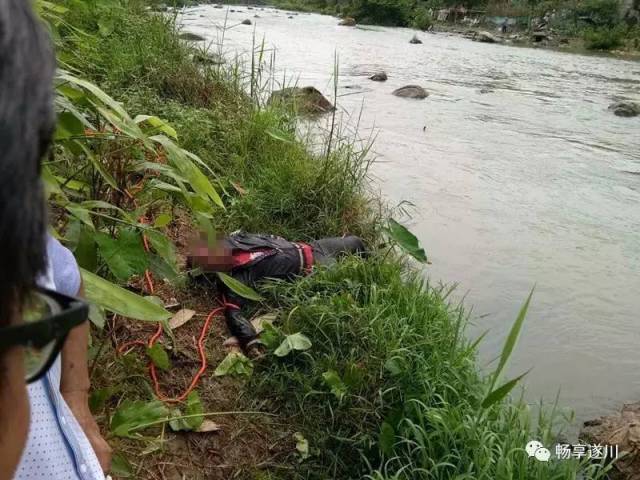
(251, 258)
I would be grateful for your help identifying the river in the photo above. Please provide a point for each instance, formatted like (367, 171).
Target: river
(526, 185)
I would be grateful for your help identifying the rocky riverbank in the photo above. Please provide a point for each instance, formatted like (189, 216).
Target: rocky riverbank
(546, 38)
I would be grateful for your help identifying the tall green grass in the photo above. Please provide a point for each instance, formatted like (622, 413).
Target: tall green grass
(390, 388)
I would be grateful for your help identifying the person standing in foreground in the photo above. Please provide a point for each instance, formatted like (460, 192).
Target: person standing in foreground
(35, 321)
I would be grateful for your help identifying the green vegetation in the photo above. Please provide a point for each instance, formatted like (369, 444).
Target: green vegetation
(598, 22)
(604, 38)
(369, 374)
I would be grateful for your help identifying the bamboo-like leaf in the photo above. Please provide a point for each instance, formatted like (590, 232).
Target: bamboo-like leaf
(118, 300)
(156, 122)
(98, 166)
(96, 91)
(239, 288)
(198, 180)
(499, 393)
(512, 338)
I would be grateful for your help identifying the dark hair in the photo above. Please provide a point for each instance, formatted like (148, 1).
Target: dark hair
(27, 120)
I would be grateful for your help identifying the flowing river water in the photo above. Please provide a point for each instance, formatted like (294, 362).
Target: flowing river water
(530, 183)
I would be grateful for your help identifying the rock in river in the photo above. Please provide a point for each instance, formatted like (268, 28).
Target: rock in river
(246, 21)
(348, 22)
(379, 77)
(486, 37)
(191, 37)
(625, 109)
(307, 100)
(415, 40)
(411, 91)
(622, 430)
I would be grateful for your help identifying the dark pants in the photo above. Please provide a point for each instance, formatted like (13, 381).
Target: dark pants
(325, 252)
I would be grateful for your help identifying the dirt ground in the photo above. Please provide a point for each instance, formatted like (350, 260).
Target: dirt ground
(244, 444)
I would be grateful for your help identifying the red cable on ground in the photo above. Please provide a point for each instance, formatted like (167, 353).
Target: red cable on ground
(158, 333)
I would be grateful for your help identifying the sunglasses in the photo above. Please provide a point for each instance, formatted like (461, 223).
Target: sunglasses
(47, 319)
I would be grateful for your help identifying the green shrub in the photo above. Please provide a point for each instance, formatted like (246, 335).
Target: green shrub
(381, 12)
(421, 19)
(604, 38)
(600, 12)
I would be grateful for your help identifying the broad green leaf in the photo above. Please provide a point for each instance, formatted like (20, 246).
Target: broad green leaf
(120, 466)
(51, 184)
(406, 240)
(125, 125)
(162, 270)
(386, 439)
(164, 186)
(297, 341)
(239, 288)
(125, 255)
(512, 338)
(162, 220)
(99, 397)
(70, 92)
(95, 91)
(198, 180)
(96, 316)
(86, 251)
(302, 445)
(235, 363)
(132, 416)
(159, 357)
(156, 122)
(163, 246)
(501, 392)
(76, 185)
(194, 407)
(335, 383)
(68, 126)
(81, 214)
(176, 421)
(187, 422)
(118, 300)
(271, 336)
(64, 104)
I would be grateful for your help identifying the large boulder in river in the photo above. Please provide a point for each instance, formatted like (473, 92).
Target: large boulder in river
(623, 430)
(411, 91)
(379, 77)
(415, 40)
(486, 37)
(191, 37)
(625, 109)
(348, 22)
(306, 100)
(246, 21)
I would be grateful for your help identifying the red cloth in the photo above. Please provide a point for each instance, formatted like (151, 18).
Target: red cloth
(241, 258)
(307, 253)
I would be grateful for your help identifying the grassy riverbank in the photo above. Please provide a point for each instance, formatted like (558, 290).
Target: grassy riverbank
(389, 388)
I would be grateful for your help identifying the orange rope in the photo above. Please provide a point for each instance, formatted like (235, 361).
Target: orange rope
(158, 333)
